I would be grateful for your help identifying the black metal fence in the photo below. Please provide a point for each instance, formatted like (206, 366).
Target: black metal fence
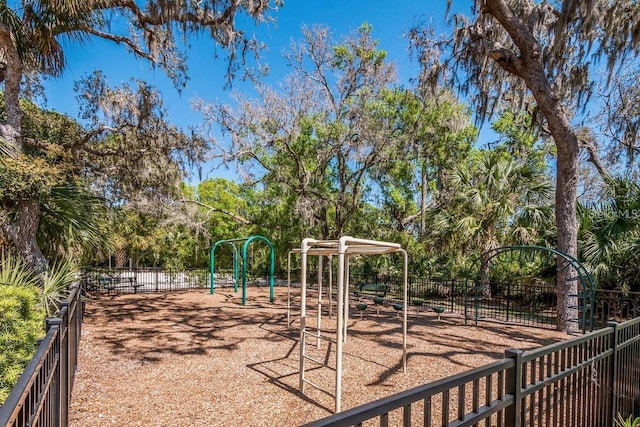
(527, 304)
(41, 395)
(616, 305)
(585, 381)
(522, 303)
(582, 382)
(123, 280)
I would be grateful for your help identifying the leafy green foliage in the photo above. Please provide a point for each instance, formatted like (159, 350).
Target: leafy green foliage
(73, 222)
(13, 271)
(627, 422)
(493, 200)
(21, 319)
(56, 282)
(23, 177)
(517, 137)
(20, 327)
(45, 162)
(609, 236)
(25, 300)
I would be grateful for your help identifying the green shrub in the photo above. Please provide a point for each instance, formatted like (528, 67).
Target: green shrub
(627, 422)
(21, 324)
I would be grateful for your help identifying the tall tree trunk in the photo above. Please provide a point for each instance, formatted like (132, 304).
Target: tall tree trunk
(567, 225)
(566, 141)
(22, 235)
(22, 231)
(423, 200)
(529, 66)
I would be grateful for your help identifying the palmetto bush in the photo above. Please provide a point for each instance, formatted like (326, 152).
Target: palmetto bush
(21, 320)
(25, 299)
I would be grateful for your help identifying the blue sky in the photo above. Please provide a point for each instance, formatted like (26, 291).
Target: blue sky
(390, 20)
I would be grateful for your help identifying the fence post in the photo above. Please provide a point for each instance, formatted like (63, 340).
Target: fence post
(56, 384)
(508, 299)
(65, 344)
(466, 299)
(453, 284)
(513, 387)
(613, 376)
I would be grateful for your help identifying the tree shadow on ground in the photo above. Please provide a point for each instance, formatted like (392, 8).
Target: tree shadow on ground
(148, 327)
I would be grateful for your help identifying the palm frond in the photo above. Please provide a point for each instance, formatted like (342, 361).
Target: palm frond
(73, 220)
(14, 271)
(56, 283)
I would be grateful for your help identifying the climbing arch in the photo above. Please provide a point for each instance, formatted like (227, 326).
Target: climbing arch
(583, 300)
(241, 255)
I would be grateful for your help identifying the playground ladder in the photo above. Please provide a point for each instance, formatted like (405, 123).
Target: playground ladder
(304, 357)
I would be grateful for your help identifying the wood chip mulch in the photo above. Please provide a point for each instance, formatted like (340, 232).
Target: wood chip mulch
(195, 359)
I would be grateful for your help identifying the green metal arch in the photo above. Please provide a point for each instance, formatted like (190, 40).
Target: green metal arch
(583, 276)
(212, 260)
(247, 241)
(272, 263)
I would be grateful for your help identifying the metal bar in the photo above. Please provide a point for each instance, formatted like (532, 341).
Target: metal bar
(339, 327)
(384, 420)
(461, 400)
(514, 388)
(427, 411)
(406, 303)
(320, 362)
(541, 394)
(312, 384)
(406, 415)
(488, 395)
(15, 401)
(322, 337)
(303, 309)
(319, 313)
(444, 422)
(475, 395)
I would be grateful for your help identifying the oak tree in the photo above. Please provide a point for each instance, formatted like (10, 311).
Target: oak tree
(509, 49)
(32, 34)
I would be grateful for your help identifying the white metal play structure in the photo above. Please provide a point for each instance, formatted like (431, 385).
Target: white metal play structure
(343, 248)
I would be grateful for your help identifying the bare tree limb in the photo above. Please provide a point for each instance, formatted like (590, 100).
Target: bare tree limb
(211, 209)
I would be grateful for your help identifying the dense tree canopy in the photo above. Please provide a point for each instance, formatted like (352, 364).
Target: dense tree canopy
(338, 147)
(330, 139)
(509, 49)
(31, 44)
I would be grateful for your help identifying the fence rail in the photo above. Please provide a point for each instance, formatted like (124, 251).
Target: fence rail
(123, 280)
(582, 382)
(522, 303)
(40, 398)
(527, 304)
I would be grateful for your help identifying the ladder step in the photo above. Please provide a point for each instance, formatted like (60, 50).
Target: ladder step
(319, 362)
(317, 386)
(319, 336)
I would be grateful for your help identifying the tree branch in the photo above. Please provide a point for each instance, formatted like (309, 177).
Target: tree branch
(594, 158)
(121, 40)
(235, 217)
(507, 60)
(520, 33)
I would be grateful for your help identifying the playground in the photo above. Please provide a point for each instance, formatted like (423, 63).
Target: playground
(193, 358)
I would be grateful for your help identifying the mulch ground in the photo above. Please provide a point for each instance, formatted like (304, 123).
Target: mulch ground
(191, 358)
